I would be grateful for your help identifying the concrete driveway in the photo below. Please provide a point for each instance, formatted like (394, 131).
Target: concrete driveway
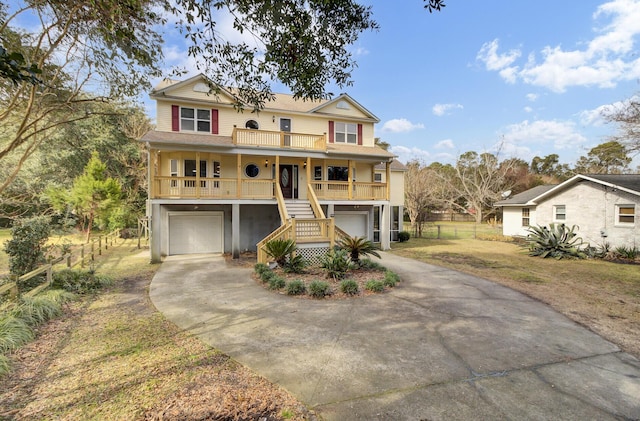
(441, 346)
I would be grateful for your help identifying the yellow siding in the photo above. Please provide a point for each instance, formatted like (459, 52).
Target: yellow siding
(353, 111)
(187, 92)
(397, 188)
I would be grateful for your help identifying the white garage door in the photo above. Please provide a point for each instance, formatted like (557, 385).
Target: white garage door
(196, 232)
(354, 224)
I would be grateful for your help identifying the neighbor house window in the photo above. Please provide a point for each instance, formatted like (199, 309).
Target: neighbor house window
(560, 213)
(346, 132)
(625, 214)
(525, 217)
(193, 119)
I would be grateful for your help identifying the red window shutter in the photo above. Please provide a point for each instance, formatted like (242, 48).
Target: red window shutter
(359, 134)
(331, 132)
(175, 118)
(214, 121)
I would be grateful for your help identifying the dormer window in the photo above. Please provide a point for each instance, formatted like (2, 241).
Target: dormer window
(346, 132)
(194, 119)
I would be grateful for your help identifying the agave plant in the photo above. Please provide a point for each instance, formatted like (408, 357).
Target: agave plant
(557, 241)
(358, 246)
(280, 250)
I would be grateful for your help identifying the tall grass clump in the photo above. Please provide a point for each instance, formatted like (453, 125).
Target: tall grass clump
(5, 365)
(14, 332)
(80, 281)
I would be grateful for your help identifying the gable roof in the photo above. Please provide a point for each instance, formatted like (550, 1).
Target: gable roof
(394, 166)
(280, 102)
(526, 197)
(629, 183)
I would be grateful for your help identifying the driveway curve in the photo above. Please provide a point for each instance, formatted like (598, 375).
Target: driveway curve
(442, 345)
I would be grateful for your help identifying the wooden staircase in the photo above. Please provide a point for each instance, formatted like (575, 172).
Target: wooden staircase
(303, 222)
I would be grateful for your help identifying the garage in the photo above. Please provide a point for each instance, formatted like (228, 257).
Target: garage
(196, 232)
(354, 224)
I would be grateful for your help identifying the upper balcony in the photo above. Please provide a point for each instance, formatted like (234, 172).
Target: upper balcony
(272, 139)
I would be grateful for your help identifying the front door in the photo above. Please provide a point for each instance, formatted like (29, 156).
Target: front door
(286, 181)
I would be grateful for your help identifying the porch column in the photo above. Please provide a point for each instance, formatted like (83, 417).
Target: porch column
(197, 175)
(308, 162)
(388, 164)
(155, 239)
(239, 176)
(331, 210)
(235, 230)
(385, 227)
(350, 176)
(152, 171)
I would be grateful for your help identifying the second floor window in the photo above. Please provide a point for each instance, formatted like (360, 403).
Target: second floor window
(194, 119)
(346, 132)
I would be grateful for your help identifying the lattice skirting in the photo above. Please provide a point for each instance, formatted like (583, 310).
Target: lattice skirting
(313, 252)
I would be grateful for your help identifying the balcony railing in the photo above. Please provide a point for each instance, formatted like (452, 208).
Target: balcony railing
(232, 188)
(272, 139)
(211, 188)
(332, 190)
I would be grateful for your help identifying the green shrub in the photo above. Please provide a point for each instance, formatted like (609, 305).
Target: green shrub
(296, 287)
(349, 287)
(557, 241)
(390, 279)
(374, 286)
(319, 289)
(14, 332)
(371, 265)
(80, 281)
(5, 365)
(280, 250)
(358, 246)
(627, 252)
(267, 275)
(295, 264)
(260, 268)
(36, 310)
(404, 236)
(26, 248)
(336, 263)
(276, 282)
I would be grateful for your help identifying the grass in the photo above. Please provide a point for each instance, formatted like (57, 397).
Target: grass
(602, 295)
(113, 356)
(456, 230)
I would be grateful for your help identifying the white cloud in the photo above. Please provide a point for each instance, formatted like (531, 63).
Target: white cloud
(519, 138)
(597, 116)
(493, 61)
(401, 125)
(406, 154)
(445, 144)
(442, 109)
(528, 109)
(361, 51)
(532, 97)
(606, 60)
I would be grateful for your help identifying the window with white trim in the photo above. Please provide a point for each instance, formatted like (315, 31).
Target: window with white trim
(525, 217)
(346, 132)
(560, 213)
(625, 215)
(195, 119)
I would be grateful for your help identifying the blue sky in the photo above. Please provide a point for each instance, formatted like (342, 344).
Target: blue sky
(528, 77)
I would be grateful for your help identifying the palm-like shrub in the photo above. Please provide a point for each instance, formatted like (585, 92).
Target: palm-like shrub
(557, 241)
(358, 246)
(336, 263)
(280, 250)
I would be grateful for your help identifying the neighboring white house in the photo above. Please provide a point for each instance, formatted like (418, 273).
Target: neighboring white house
(605, 207)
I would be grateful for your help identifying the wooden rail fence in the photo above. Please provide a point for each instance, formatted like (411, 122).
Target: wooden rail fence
(84, 253)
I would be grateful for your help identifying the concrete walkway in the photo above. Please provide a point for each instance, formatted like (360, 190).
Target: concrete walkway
(440, 346)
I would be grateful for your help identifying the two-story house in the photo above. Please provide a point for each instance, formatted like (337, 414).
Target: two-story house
(221, 180)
